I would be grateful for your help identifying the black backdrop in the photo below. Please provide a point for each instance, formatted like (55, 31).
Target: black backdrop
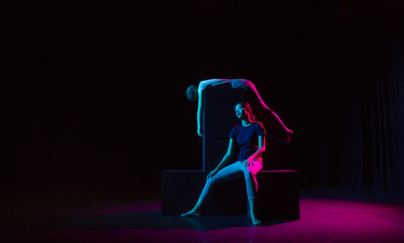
(93, 95)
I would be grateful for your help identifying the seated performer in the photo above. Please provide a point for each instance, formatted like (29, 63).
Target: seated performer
(250, 138)
(271, 121)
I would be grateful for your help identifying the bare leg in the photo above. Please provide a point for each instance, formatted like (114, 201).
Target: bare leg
(254, 219)
(195, 211)
(227, 173)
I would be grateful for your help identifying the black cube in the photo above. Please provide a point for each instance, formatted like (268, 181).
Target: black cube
(278, 195)
(180, 190)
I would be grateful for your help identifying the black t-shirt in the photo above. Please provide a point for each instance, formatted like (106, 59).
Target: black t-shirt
(247, 138)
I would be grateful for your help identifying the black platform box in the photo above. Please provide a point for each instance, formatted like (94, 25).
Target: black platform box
(180, 190)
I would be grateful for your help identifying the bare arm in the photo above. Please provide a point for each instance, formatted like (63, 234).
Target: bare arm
(225, 159)
(199, 114)
(261, 148)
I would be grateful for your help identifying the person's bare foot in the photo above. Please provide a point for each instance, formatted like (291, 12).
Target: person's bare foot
(193, 212)
(255, 221)
(288, 135)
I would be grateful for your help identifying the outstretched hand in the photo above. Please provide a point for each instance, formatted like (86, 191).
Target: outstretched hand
(212, 173)
(249, 162)
(200, 132)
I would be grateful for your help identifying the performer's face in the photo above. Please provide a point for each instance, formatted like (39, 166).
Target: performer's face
(241, 112)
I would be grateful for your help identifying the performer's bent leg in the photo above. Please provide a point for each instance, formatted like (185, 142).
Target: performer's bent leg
(271, 121)
(227, 173)
(261, 110)
(268, 116)
(250, 173)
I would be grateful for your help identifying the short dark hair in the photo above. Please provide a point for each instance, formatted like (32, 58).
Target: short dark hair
(190, 92)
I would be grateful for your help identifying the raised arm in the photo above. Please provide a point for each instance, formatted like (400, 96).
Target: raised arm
(225, 159)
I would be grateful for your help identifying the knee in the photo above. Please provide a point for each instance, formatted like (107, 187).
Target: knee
(248, 175)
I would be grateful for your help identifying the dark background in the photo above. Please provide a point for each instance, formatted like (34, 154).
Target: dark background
(93, 95)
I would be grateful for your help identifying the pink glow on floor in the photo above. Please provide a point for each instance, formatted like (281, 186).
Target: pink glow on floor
(322, 220)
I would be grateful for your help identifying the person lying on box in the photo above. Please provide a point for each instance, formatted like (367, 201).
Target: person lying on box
(271, 121)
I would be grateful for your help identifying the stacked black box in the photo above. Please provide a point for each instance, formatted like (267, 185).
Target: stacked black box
(219, 119)
(277, 197)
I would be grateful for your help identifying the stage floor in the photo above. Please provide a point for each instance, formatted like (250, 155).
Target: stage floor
(326, 215)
